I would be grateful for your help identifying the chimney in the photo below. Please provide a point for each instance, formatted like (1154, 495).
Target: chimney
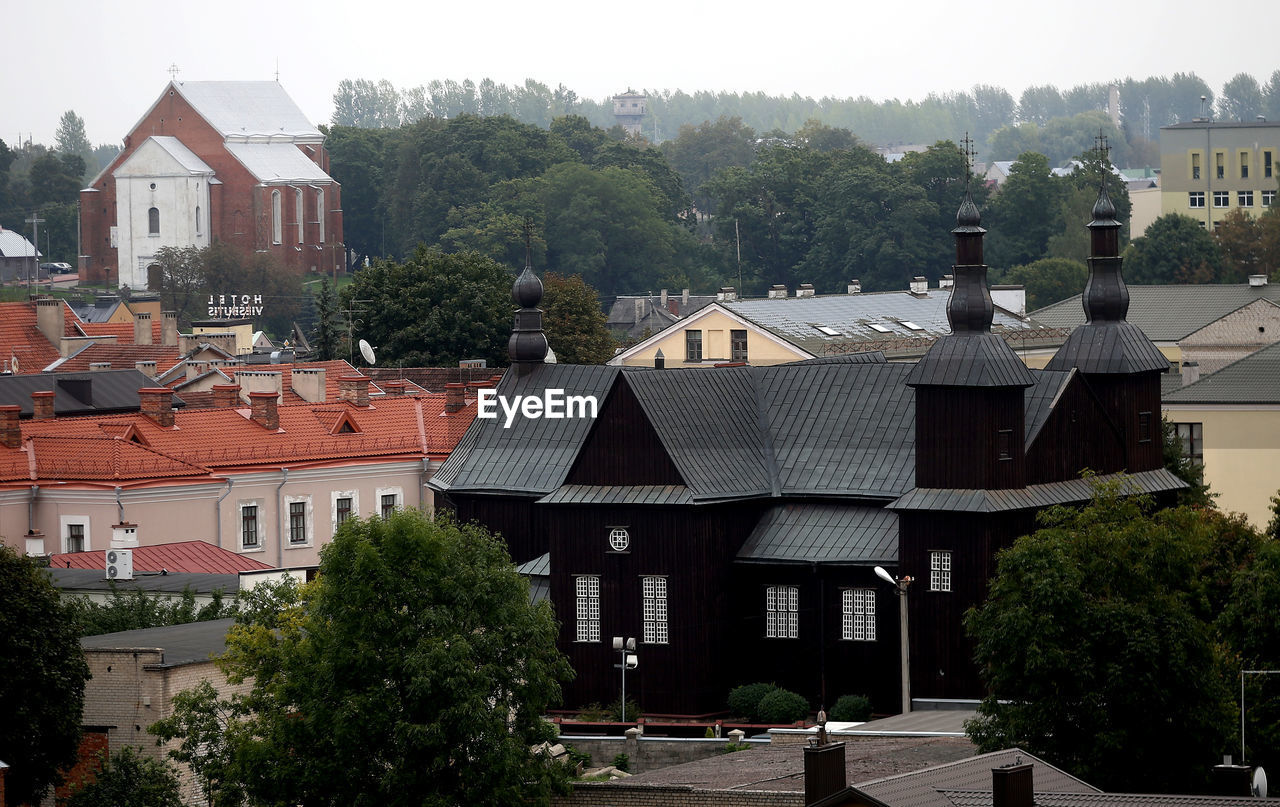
(99, 366)
(777, 292)
(252, 381)
(947, 281)
(51, 318)
(35, 543)
(824, 771)
(727, 294)
(664, 298)
(454, 397)
(196, 368)
(1011, 298)
(855, 286)
(124, 535)
(1257, 281)
(142, 328)
(226, 395)
(684, 299)
(263, 410)
(169, 328)
(354, 388)
(157, 404)
(393, 389)
(659, 360)
(919, 285)
(308, 382)
(10, 431)
(805, 290)
(147, 368)
(1190, 372)
(1013, 786)
(42, 404)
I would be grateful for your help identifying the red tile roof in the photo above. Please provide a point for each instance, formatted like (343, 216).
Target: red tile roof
(123, 331)
(121, 356)
(198, 557)
(20, 338)
(100, 458)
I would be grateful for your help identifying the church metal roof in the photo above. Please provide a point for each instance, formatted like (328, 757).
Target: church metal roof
(823, 533)
(274, 163)
(248, 109)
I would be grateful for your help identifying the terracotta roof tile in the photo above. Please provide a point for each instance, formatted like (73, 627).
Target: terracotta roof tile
(103, 458)
(199, 557)
(20, 338)
(123, 331)
(121, 356)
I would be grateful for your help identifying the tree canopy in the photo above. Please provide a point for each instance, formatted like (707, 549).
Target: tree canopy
(1174, 249)
(128, 779)
(413, 671)
(42, 677)
(574, 322)
(188, 275)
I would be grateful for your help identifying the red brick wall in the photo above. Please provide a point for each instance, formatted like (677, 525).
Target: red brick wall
(93, 747)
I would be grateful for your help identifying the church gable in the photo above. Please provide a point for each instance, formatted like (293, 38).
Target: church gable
(623, 447)
(162, 157)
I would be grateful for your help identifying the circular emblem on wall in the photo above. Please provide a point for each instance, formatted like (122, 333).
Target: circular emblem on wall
(619, 539)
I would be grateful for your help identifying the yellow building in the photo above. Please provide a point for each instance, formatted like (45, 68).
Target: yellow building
(1209, 168)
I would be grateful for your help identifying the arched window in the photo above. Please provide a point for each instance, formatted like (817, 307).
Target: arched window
(198, 226)
(153, 221)
(298, 211)
(277, 212)
(320, 213)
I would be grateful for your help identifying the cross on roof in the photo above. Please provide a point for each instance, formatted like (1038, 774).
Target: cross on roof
(1100, 144)
(528, 240)
(970, 153)
(174, 70)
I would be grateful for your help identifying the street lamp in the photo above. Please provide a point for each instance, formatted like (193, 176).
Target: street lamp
(900, 587)
(629, 661)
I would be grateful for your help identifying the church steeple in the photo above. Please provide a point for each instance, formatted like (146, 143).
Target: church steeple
(527, 346)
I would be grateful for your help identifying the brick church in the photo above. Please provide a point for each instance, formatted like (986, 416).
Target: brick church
(230, 161)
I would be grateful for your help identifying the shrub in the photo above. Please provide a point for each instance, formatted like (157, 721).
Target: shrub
(744, 701)
(622, 762)
(851, 708)
(614, 711)
(783, 706)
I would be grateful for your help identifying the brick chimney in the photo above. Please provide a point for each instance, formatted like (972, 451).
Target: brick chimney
(1013, 786)
(226, 395)
(354, 388)
(169, 328)
(142, 328)
(393, 388)
(42, 404)
(147, 368)
(10, 431)
(824, 771)
(454, 397)
(157, 404)
(308, 382)
(51, 318)
(264, 411)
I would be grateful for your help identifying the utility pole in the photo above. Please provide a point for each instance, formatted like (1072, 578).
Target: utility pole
(35, 221)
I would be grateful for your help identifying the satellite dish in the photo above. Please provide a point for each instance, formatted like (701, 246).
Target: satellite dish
(366, 350)
(1259, 783)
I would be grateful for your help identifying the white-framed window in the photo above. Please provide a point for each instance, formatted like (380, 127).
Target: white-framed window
(299, 521)
(389, 500)
(1244, 165)
(619, 539)
(858, 614)
(587, 589)
(199, 226)
(277, 214)
(737, 345)
(153, 221)
(1195, 199)
(782, 612)
(1244, 198)
(940, 570)
(693, 345)
(1222, 198)
(298, 211)
(343, 505)
(251, 513)
(1267, 163)
(1268, 198)
(74, 532)
(320, 214)
(655, 609)
(1191, 435)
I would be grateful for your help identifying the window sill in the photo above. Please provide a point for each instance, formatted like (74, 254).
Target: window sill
(307, 545)
(244, 550)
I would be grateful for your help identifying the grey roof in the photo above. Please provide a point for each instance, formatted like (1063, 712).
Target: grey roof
(100, 310)
(182, 155)
(1166, 313)
(182, 644)
(1031, 497)
(80, 393)
(1109, 348)
(248, 108)
(978, 798)
(921, 788)
(538, 571)
(619, 494)
(14, 245)
(1223, 124)
(275, 163)
(146, 582)
(796, 319)
(866, 357)
(539, 566)
(1254, 379)
(971, 359)
(823, 533)
(1040, 399)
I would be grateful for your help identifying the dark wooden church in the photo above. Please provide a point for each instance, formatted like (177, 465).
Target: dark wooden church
(730, 519)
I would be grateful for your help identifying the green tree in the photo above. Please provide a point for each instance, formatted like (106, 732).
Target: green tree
(1048, 280)
(1185, 468)
(1174, 249)
(182, 280)
(364, 161)
(434, 309)
(698, 152)
(70, 139)
(1097, 634)
(574, 321)
(1040, 104)
(56, 178)
(1241, 99)
(366, 104)
(1239, 237)
(42, 676)
(135, 609)
(413, 671)
(1271, 97)
(128, 780)
(1023, 215)
(327, 331)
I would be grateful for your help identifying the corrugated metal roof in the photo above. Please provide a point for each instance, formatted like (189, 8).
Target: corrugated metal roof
(277, 162)
(182, 556)
(619, 494)
(1040, 399)
(539, 566)
(971, 359)
(868, 357)
(1255, 379)
(1071, 491)
(248, 108)
(1109, 348)
(1166, 313)
(823, 533)
(921, 788)
(14, 245)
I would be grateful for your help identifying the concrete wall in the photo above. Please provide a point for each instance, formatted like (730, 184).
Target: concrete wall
(648, 753)
(1241, 454)
(1180, 147)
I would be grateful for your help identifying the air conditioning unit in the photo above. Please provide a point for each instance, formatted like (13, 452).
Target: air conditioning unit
(119, 564)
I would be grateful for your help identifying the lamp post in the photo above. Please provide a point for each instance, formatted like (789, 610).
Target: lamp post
(900, 588)
(628, 661)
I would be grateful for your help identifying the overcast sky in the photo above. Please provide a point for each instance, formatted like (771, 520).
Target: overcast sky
(109, 61)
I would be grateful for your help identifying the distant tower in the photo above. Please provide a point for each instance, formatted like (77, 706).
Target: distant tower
(629, 110)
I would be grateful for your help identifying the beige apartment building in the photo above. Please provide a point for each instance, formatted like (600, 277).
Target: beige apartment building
(1209, 168)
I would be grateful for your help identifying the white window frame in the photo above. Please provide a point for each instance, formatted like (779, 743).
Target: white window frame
(299, 209)
(308, 527)
(858, 614)
(586, 589)
(782, 612)
(353, 495)
(398, 492)
(65, 522)
(1195, 200)
(940, 570)
(320, 213)
(261, 546)
(654, 601)
(1222, 198)
(1268, 198)
(1244, 198)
